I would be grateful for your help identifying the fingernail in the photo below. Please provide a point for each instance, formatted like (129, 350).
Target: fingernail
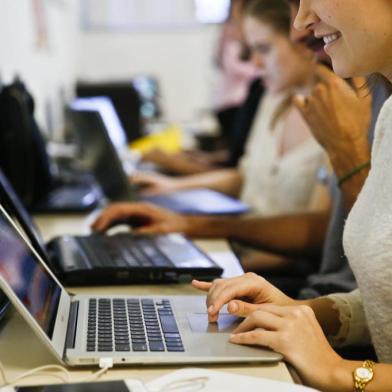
(211, 309)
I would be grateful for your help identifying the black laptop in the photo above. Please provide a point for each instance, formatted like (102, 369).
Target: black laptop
(124, 258)
(102, 159)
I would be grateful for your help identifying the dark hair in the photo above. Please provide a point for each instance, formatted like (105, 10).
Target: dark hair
(275, 12)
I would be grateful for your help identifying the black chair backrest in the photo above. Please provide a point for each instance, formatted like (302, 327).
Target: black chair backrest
(23, 156)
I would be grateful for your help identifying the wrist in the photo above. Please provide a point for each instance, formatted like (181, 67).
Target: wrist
(334, 374)
(341, 375)
(207, 227)
(345, 159)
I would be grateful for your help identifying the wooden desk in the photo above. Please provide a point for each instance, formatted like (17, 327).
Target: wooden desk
(20, 350)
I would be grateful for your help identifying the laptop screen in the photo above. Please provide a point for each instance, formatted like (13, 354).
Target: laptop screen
(105, 107)
(14, 207)
(27, 277)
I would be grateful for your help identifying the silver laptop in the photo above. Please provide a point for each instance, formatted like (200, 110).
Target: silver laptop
(93, 329)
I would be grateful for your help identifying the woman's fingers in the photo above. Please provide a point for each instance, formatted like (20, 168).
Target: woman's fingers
(223, 291)
(244, 309)
(203, 286)
(135, 214)
(241, 308)
(258, 337)
(214, 300)
(327, 76)
(113, 213)
(260, 319)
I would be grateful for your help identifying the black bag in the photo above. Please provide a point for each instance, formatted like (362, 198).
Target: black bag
(23, 155)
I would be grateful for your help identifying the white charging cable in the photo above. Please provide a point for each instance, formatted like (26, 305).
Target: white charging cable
(105, 364)
(187, 384)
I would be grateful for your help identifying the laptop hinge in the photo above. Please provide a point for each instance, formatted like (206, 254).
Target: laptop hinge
(72, 324)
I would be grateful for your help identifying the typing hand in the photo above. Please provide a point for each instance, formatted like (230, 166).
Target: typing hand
(152, 184)
(148, 218)
(242, 295)
(294, 332)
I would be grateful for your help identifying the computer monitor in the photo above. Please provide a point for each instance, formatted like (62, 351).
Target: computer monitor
(105, 107)
(125, 99)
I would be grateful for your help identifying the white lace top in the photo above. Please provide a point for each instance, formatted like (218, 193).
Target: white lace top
(274, 184)
(367, 312)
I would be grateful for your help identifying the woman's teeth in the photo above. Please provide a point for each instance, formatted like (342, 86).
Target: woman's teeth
(331, 38)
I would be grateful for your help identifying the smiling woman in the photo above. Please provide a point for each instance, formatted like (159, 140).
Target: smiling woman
(357, 35)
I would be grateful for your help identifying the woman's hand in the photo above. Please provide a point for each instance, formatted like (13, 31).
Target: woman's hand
(294, 332)
(152, 184)
(159, 157)
(337, 113)
(146, 218)
(242, 295)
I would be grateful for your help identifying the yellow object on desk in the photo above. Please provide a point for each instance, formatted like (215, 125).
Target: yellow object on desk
(168, 140)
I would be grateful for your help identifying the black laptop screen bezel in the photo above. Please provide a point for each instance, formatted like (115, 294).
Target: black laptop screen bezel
(13, 205)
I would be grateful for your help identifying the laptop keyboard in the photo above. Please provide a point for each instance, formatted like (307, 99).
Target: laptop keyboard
(123, 251)
(125, 325)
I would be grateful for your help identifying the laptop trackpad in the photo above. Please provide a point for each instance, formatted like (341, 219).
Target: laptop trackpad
(226, 323)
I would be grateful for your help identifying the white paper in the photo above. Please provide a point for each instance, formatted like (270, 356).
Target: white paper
(213, 381)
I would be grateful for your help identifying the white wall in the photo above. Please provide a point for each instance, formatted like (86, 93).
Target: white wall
(47, 70)
(181, 59)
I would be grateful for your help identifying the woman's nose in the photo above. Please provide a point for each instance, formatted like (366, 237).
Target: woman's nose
(305, 17)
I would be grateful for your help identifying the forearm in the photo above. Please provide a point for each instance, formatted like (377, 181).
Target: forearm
(227, 181)
(292, 234)
(327, 315)
(344, 163)
(185, 166)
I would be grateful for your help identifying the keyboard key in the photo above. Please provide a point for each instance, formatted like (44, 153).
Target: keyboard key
(173, 340)
(123, 347)
(172, 335)
(139, 347)
(175, 349)
(138, 340)
(156, 346)
(168, 324)
(174, 344)
(155, 338)
(105, 348)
